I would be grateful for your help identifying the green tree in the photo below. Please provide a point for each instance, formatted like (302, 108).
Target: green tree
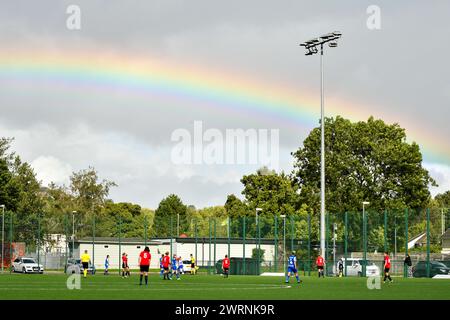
(89, 195)
(165, 221)
(365, 161)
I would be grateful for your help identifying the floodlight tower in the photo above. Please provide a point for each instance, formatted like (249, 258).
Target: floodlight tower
(312, 46)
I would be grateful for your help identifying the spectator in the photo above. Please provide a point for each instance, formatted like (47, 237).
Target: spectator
(408, 265)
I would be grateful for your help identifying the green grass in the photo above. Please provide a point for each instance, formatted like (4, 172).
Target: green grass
(204, 287)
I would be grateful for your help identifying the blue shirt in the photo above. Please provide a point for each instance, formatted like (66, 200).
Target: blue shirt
(174, 263)
(291, 261)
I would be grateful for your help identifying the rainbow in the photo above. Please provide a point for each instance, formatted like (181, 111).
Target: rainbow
(223, 91)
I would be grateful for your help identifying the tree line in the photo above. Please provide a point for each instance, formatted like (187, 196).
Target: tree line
(365, 161)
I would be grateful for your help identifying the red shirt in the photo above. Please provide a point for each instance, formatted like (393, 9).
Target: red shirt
(166, 261)
(226, 263)
(145, 258)
(124, 259)
(387, 262)
(319, 261)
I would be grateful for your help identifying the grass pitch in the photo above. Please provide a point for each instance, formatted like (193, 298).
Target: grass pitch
(204, 287)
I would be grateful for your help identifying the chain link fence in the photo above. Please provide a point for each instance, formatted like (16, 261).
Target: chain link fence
(256, 244)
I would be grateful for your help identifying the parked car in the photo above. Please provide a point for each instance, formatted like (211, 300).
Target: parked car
(436, 267)
(355, 267)
(75, 265)
(27, 265)
(187, 266)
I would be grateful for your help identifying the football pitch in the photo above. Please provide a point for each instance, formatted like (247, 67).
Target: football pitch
(204, 287)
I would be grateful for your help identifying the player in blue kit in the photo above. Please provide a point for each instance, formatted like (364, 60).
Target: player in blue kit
(161, 268)
(292, 268)
(174, 266)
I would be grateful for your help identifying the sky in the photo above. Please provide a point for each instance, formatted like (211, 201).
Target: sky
(114, 92)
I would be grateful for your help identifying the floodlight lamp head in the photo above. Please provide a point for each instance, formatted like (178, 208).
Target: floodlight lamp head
(337, 33)
(332, 44)
(326, 36)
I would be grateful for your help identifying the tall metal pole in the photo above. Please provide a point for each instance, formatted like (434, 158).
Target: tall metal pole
(322, 159)
(311, 46)
(73, 232)
(3, 235)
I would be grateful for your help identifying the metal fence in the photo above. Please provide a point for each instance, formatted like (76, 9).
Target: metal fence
(351, 236)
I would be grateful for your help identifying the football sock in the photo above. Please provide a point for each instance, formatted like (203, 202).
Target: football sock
(298, 279)
(85, 273)
(140, 279)
(146, 280)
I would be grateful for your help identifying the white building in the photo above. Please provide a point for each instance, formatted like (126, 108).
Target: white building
(54, 244)
(184, 247)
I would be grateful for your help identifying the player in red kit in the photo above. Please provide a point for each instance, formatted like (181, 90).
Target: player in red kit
(166, 264)
(387, 267)
(144, 264)
(320, 264)
(226, 266)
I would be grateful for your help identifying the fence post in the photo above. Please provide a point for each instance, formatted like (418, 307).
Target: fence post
(10, 237)
(229, 235)
(215, 240)
(196, 240)
(309, 244)
(243, 238)
(171, 236)
(39, 240)
(275, 263)
(345, 241)
(292, 233)
(364, 267)
(93, 238)
(120, 240)
(209, 255)
(66, 229)
(145, 230)
(385, 231)
(428, 242)
(405, 267)
(259, 246)
(327, 234)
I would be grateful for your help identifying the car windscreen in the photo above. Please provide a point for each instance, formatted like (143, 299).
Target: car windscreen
(28, 261)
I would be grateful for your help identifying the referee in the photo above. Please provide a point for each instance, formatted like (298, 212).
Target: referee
(85, 259)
